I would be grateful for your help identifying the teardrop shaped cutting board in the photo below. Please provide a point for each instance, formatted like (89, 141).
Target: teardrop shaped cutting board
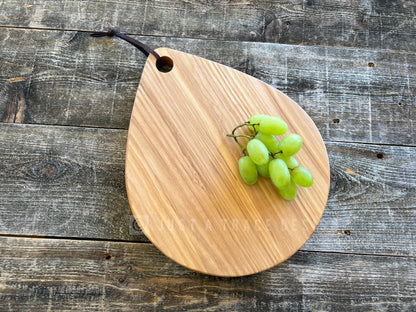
(182, 173)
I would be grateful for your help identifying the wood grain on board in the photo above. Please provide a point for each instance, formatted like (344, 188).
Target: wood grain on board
(181, 169)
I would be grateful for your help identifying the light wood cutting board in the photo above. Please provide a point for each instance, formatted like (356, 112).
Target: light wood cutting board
(182, 173)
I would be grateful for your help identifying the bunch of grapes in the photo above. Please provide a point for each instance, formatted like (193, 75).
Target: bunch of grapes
(266, 156)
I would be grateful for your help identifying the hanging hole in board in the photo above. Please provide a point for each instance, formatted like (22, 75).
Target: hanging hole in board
(164, 64)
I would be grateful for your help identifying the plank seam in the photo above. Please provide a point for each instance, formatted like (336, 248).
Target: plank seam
(213, 39)
(126, 130)
(139, 242)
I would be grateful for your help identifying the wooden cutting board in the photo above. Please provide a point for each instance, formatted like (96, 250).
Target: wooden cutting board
(182, 173)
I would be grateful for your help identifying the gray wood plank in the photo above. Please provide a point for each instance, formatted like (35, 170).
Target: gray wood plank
(69, 78)
(63, 181)
(69, 181)
(372, 200)
(358, 23)
(62, 275)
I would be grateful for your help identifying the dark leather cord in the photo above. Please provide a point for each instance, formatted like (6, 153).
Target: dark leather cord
(141, 46)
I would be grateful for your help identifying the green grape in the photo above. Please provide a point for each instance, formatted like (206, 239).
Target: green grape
(264, 170)
(291, 162)
(301, 176)
(289, 193)
(268, 140)
(279, 173)
(255, 119)
(258, 152)
(272, 125)
(290, 144)
(248, 170)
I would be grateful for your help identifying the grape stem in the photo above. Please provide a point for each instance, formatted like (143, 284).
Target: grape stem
(239, 136)
(274, 154)
(236, 136)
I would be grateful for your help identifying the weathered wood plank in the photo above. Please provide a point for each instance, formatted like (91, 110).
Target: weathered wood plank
(66, 181)
(372, 24)
(68, 78)
(69, 181)
(63, 275)
(372, 191)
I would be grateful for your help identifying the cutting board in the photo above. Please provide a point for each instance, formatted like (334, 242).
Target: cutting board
(182, 175)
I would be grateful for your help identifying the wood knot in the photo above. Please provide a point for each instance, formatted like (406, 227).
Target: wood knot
(46, 170)
(134, 227)
(108, 256)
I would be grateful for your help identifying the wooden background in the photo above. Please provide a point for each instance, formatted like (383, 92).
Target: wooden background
(67, 236)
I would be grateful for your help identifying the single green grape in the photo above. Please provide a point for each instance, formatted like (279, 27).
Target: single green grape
(255, 119)
(258, 152)
(290, 161)
(268, 140)
(248, 170)
(279, 173)
(290, 144)
(272, 125)
(290, 192)
(301, 176)
(263, 170)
